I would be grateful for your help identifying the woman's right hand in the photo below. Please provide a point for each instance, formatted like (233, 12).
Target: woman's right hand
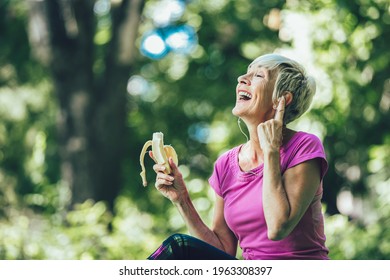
(172, 186)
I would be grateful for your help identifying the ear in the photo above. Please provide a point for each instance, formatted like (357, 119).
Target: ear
(288, 97)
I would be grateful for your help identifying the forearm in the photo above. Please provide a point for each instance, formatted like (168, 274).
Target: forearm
(275, 201)
(195, 224)
(173, 187)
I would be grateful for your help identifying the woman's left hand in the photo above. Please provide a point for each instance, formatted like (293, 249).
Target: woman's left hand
(270, 132)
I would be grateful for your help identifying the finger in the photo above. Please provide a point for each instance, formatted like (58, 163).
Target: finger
(159, 168)
(280, 110)
(165, 177)
(161, 182)
(173, 165)
(269, 130)
(152, 157)
(260, 131)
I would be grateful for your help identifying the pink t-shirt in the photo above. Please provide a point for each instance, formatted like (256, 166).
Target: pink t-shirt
(242, 194)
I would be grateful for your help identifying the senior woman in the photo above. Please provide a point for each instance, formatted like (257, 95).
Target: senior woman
(269, 189)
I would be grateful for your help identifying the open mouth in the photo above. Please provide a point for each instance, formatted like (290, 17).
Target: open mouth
(243, 95)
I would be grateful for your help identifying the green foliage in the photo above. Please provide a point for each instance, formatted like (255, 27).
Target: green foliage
(367, 238)
(190, 98)
(82, 233)
(352, 53)
(90, 232)
(350, 241)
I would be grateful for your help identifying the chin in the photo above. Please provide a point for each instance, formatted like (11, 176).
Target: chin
(239, 112)
(236, 112)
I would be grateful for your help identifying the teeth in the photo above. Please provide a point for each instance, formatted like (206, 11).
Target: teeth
(245, 94)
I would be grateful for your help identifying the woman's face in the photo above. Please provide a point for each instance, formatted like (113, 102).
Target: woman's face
(254, 94)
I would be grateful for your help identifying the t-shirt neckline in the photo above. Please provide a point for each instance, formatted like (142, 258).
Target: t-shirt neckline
(257, 171)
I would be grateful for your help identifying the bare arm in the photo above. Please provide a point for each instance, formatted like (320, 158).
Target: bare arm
(219, 235)
(173, 187)
(287, 197)
(221, 229)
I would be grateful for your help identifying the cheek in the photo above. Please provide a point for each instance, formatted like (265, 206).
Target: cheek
(264, 95)
(268, 98)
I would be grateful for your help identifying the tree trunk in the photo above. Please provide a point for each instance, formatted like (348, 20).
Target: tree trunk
(92, 106)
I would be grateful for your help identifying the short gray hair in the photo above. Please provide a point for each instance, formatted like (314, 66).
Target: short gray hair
(290, 77)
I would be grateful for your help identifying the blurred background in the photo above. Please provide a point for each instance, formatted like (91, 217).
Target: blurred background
(83, 84)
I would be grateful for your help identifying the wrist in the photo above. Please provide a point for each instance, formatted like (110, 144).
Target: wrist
(271, 154)
(182, 200)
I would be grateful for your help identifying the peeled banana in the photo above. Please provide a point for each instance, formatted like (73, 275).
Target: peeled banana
(161, 154)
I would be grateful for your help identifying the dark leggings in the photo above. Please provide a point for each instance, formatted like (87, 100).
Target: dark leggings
(185, 247)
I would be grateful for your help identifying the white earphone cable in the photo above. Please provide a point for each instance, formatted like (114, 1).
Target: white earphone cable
(239, 126)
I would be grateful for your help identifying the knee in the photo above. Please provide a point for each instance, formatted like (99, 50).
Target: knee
(177, 239)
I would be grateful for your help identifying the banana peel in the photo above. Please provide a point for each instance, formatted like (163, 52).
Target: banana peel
(161, 154)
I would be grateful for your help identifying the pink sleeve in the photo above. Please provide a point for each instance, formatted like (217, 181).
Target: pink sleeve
(307, 148)
(220, 168)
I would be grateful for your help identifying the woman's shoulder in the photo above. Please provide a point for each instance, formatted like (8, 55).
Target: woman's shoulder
(303, 138)
(227, 156)
(229, 153)
(222, 167)
(302, 147)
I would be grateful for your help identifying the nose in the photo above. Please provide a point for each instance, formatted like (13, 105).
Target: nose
(243, 79)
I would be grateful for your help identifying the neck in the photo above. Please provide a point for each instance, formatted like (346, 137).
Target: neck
(251, 155)
(254, 142)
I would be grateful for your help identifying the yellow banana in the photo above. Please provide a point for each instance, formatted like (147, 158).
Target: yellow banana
(161, 154)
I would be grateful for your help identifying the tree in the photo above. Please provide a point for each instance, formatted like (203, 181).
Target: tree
(352, 51)
(189, 98)
(90, 80)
